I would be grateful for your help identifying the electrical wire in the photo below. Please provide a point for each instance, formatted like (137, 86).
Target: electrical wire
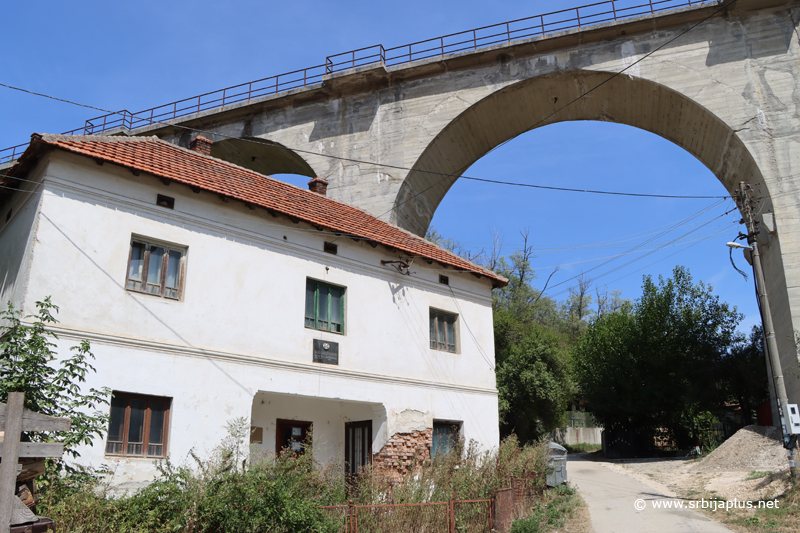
(549, 116)
(237, 222)
(637, 258)
(385, 165)
(675, 226)
(547, 248)
(443, 174)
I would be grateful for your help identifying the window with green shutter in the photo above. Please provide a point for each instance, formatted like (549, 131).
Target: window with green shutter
(324, 306)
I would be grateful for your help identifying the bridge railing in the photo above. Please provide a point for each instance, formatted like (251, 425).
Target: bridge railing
(474, 39)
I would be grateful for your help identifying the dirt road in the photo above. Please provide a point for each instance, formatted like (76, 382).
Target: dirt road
(618, 503)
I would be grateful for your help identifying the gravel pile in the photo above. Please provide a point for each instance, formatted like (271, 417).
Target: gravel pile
(751, 448)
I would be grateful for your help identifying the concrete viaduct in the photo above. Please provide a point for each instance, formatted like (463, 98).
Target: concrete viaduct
(727, 91)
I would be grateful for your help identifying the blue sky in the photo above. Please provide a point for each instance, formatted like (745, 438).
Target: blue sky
(137, 55)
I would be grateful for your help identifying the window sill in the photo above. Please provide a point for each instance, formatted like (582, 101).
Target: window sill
(324, 331)
(134, 457)
(154, 297)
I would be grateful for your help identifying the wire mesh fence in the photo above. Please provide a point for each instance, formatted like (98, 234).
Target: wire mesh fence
(338, 516)
(454, 516)
(390, 518)
(472, 516)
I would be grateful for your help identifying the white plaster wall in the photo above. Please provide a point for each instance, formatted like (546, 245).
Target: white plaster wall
(327, 417)
(239, 329)
(245, 280)
(209, 389)
(16, 245)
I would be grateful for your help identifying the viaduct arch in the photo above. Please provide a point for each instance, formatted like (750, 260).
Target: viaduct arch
(540, 101)
(720, 79)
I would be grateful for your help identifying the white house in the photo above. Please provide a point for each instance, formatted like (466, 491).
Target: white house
(210, 292)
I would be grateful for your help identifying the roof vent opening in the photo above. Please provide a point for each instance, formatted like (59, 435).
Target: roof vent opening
(319, 186)
(444, 279)
(201, 145)
(331, 248)
(165, 201)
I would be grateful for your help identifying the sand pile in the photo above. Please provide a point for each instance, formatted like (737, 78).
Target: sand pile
(751, 448)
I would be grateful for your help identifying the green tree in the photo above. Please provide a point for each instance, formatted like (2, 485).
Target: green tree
(657, 363)
(533, 377)
(744, 374)
(533, 336)
(27, 364)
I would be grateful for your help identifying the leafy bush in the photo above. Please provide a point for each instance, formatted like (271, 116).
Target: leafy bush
(281, 493)
(27, 354)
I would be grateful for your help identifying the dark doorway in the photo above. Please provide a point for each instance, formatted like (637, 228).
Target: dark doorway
(357, 447)
(291, 434)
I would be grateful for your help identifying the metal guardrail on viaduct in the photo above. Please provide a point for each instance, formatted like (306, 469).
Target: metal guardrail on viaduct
(469, 40)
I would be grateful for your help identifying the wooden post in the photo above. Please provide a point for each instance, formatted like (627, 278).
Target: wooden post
(14, 419)
(8, 468)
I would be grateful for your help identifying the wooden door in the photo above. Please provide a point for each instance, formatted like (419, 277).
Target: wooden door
(357, 446)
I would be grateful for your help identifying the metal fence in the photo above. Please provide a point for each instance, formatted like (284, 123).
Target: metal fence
(438, 47)
(455, 516)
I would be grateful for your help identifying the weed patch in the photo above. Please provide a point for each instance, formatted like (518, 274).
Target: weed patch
(550, 512)
(582, 448)
(283, 493)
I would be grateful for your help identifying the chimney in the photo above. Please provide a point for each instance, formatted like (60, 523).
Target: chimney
(201, 144)
(318, 185)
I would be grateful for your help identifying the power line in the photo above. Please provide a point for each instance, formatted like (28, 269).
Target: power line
(635, 248)
(641, 256)
(384, 165)
(457, 175)
(443, 174)
(238, 222)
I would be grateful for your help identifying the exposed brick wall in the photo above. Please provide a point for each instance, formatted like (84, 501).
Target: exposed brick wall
(399, 453)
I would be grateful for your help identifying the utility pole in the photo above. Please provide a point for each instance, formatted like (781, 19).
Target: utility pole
(747, 206)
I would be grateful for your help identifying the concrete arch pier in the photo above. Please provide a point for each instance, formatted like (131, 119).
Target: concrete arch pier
(719, 79)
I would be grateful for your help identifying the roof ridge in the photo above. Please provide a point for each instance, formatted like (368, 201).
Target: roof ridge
(349, 221)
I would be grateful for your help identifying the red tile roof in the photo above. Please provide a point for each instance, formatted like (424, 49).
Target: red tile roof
(165, 160)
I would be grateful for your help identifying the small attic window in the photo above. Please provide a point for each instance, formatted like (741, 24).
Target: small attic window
(165, 201)
(331, 248)
(444, 280)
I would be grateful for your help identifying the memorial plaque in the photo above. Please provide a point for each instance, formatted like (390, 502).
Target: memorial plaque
(326, 352)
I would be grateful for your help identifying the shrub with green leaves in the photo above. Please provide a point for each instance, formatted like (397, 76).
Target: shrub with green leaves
(283, 493)
(28, 363)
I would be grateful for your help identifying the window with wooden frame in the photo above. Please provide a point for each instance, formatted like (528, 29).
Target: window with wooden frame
(292, 436)
(155, 268)
(138, 425)
(443, 331)
(445, 437)
(324, 306)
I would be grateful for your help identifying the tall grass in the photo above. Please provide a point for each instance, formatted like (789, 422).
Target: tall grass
(280, 493)
(463, 474)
